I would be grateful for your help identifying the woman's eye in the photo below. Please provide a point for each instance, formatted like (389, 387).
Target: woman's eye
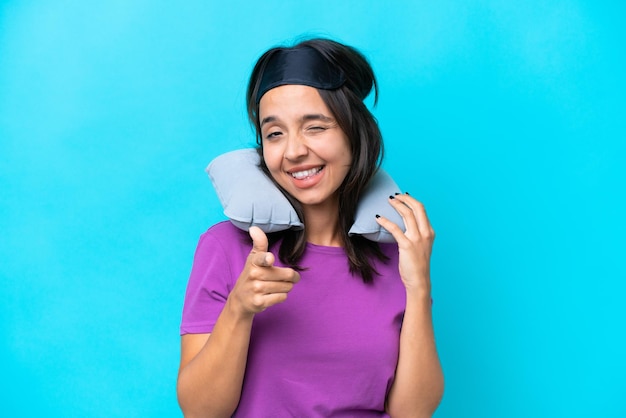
(317, 128)
(272, 135)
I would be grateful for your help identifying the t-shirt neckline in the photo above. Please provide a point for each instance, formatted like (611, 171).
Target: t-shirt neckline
(324, 249)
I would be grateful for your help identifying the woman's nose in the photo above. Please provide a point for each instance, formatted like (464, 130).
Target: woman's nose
(296, 148)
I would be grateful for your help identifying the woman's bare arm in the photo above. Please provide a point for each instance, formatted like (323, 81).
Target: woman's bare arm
(418, 385)
(213, 365)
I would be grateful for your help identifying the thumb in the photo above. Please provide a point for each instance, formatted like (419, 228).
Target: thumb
(259, 239)
(260, 246)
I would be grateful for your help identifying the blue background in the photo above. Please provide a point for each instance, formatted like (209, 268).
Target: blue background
(506, 118)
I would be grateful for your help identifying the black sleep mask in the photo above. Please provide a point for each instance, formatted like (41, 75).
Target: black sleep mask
(304, 66)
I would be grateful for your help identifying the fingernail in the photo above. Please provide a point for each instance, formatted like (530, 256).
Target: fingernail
(406, 192)
(377, 215)
(397, 193)
(391, 197)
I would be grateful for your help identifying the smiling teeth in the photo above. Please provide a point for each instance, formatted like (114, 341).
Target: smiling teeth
(306, 173)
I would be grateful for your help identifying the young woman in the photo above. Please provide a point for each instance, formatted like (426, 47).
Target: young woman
(314, 322)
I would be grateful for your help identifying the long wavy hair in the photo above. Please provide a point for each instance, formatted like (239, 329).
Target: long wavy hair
(366, 144)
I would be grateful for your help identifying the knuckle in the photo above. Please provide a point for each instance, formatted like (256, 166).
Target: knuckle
(258, 303)
(257, 287)
(254, 273)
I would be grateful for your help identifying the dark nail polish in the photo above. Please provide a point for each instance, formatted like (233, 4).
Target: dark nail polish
(377, 215)
(391, 197)
(406, 193)
(397, 193)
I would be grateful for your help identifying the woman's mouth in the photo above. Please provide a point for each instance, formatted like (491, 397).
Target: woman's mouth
(301, 175)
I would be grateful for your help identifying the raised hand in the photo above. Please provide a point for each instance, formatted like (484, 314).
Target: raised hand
(414, 245)
(261, 284)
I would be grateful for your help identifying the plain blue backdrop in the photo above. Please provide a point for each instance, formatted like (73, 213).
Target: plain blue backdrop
(506, 118)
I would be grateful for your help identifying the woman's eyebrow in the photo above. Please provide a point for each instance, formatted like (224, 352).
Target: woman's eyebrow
(304, 118)
(268, 120)
(317, 116)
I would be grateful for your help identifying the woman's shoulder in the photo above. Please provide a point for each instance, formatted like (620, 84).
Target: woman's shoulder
(225, 228)
(226, 234)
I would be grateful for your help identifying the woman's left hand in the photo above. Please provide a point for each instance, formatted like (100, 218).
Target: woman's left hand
(415, 245)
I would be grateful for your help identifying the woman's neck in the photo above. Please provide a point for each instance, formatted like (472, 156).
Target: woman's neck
(322, 225)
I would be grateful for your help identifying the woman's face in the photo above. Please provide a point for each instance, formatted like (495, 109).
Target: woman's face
(304, 148)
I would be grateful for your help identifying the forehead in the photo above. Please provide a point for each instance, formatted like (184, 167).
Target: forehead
(291, 99)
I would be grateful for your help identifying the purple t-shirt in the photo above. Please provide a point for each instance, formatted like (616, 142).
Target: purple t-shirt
(330, 349)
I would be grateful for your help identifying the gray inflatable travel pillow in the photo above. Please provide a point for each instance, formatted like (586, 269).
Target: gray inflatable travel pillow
(249, 198)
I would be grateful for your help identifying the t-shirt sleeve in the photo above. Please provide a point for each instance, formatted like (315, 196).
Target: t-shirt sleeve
(210, 282)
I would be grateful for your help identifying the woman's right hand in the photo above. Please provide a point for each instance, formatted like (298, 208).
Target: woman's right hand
(213, 365)
(261, 284)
